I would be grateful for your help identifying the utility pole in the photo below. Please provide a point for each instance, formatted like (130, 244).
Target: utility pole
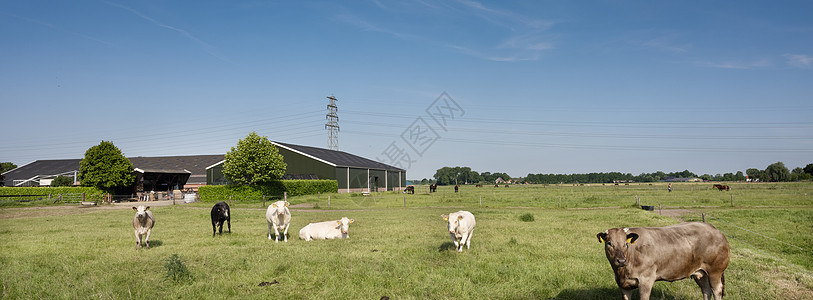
(332, 124)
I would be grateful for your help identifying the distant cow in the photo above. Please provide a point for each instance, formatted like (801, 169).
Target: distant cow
(479, 185)
(278, 217)
(409, 189)
(496, 185)
(456, 188)
(506, 185)
(721, 187)
(461, 227)
(433, 187)
(338, 229)
(220, 214)
(641, 256)
(142, 225)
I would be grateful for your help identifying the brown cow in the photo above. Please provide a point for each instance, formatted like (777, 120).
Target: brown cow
(721, 187)
(433, 187)
(456, 187)
(641, 256)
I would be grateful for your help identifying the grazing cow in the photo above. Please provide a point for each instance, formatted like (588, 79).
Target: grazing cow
(496, 185)
(409, 189)
(337, 229)
(279, 217)
(721, 187)
(433, 187)
(142, 225)
(456, 188)
(220, 215)
(461, 227)
(479, 185)
(641, 256)
(506, 185)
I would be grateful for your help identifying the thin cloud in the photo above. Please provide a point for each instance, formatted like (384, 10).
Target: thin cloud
(799, 60)
(367, 26)
(206, 47)
(59, 29)
(761, 63)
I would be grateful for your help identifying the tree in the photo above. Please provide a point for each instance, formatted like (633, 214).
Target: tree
(255, 161)
(7, 166)
(753, 173)
(106, 168)
(809, 169)
(777, 172)
(62, 180)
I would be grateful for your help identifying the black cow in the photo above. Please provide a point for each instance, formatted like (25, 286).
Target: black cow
(220, 215)
(456, 187)
(409, 189)
(433, 187)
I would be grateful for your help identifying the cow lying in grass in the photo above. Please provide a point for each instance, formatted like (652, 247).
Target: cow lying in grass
(641, 256)
(461, 226)
(220, 214)
(338, 229)
(278, 217)
(142, 224)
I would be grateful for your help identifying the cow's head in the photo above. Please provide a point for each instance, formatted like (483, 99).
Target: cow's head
(345, 224)
(279, 207)
(617, 243)
(452, 221)
(141, 211)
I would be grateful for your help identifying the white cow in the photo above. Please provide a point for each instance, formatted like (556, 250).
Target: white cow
(279, 217)
(461, 227)
(142, 224)
(326, 230)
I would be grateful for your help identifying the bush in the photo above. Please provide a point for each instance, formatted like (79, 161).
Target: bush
(90, 192)
(528, 217)
(176, 269)
(274, 189)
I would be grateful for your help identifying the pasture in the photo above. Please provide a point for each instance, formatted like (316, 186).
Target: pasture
(405, 252)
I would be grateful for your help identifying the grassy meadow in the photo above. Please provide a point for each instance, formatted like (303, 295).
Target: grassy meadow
(406, 253)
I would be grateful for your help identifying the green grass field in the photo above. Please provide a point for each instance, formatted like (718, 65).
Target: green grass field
(405, 253)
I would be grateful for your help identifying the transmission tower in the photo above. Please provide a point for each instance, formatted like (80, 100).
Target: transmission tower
(332, 124)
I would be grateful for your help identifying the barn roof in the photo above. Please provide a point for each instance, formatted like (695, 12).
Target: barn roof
(337, 158)
(194, 164)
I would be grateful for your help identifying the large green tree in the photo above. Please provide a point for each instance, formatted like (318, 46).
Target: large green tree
(7, 166)
(255, 161)
(809, 169)
(777, 172)
(106, 168)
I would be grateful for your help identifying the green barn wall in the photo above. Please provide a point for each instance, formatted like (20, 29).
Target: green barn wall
(301, 164)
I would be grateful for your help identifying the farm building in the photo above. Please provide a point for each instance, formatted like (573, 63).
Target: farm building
(353, 173)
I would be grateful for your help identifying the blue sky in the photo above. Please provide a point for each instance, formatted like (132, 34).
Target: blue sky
(530, 87)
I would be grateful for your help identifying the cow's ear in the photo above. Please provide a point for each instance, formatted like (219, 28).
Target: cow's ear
(632, 237)
(147, 208)
(134, 208)
(274, 205)
(286, 203)
(601, 237)
(460, 217)
(339, 222)
(351, 220)
(445, 217)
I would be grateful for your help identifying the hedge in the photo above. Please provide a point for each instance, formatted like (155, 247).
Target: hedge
(275, 190)
(90, 192)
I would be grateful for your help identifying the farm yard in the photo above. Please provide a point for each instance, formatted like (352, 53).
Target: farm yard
(530, 242)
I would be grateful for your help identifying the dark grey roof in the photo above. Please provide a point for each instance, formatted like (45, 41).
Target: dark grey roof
(339, 158)
(196, 164)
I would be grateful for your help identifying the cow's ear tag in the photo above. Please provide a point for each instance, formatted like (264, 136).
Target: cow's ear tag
(629, 240)
(601, 239)
(460, 217)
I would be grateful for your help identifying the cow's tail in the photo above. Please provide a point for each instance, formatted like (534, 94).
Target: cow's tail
(722, 279)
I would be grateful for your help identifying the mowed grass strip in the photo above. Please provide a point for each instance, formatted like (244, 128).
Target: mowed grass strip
(394, 252)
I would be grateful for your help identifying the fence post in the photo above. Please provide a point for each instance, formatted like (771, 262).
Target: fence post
(60, 198)
(660, 209)
(732, 200)
(637, 201)
(285, 196)
(263, 202)
(328, 202)
(404, 201)
(560, 201)
(83, 197)
(481, 200)
(704, 217)
(229, 202)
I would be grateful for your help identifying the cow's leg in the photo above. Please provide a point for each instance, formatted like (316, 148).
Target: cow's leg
(645, 288)
(454, 239)
(276, 234)
(285, 233)
(463, 240)
(468, 239)
(269, 230)
(214, 227)
(228, 220)
(626, 294)
(147, 239)
(717, 282)
(702, 280)
(138, 240)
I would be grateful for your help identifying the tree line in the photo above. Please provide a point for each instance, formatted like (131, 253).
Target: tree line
(776, 172)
